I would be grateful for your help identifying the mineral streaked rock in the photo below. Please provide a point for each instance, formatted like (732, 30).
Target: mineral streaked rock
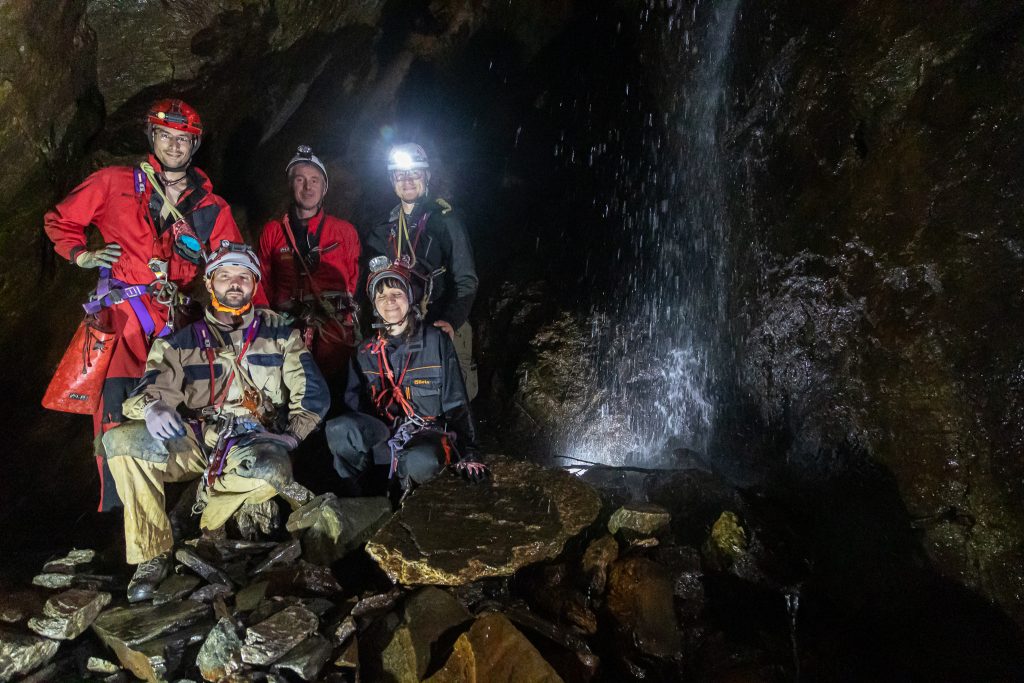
(643, 519)
(428, 613)
(135, 625)
(333, 527)
(493, 650)
(302, 577)
(282, 555)
(174, 587)
(155, 660)
(597, 558)
(21, 653)
(345, 629)
(640, 599)
(211, 591)
(61, 580)
(69, 563)
(380, 602)
(451, 531)
(98, 665)
(268, 640)
(221, 653)
(306, 659)
(66, 616)
(200, 566)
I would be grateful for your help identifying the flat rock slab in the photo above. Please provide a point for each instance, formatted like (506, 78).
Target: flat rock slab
(21, 653)
(269, 640)
(136, 625)
(307, 659)
(452, 532)
(494, 651)
(175, 587)
(66, 616)
(70, 562)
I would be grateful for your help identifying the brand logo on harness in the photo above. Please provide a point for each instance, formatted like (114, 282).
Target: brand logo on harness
(79, 397)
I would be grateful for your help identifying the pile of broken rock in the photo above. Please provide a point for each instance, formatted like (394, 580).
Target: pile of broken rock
(517, 579)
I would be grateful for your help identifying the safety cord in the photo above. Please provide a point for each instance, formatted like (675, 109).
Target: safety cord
(403, 233)
(150, 172)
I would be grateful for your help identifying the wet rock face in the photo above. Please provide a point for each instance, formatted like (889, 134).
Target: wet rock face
(878, 291)
(451, 532)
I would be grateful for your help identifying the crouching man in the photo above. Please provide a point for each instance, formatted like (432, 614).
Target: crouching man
(224, 399)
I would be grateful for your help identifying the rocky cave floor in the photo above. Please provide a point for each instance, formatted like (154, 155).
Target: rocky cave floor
(610, 574)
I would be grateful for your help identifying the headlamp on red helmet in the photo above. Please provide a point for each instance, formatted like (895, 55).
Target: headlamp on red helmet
(175, 114)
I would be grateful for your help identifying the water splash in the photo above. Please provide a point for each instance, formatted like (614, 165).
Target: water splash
(657, 365)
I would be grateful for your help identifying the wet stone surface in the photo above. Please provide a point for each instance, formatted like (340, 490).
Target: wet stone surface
(269, 640)
(66, 616)
(451, 532)
(21, 653)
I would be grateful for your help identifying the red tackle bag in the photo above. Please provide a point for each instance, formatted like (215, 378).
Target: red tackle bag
(77, 385)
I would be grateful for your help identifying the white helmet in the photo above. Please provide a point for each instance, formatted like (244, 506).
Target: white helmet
(304, 155)
(407, 157)
(233, 254)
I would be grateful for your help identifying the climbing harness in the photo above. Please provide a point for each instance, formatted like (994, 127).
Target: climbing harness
(409, 423)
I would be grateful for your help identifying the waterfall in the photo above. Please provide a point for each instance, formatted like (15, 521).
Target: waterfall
(656, 340)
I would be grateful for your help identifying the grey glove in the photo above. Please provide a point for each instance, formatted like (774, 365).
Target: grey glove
(261, 458)
(104, 257)
(274, 319)
(163, 421)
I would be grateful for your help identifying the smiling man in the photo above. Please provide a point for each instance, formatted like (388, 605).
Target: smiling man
(226, 399)
(428, 236)
(157, 221)
(311, 267)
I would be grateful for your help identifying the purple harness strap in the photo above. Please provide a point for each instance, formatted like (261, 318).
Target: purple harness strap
(110, 292)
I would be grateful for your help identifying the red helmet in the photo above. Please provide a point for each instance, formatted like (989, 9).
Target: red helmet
(175, 114)
(382, 268)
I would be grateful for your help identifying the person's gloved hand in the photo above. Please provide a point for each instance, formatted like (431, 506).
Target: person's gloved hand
(163, 421)
(104, 257)
(472, 470)
(274, 320)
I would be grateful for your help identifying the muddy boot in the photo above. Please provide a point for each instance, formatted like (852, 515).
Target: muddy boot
(148, 576)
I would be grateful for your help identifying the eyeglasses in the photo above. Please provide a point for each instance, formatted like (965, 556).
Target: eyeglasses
(181, 140)
(402, 176)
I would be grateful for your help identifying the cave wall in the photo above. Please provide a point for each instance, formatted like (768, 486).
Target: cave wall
(877, 296)
(874, 153)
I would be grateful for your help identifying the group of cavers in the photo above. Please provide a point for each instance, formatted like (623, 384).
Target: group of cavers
(224, 393)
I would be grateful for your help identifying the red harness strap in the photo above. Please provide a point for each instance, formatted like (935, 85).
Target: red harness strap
(390, 395)
(206, 341)
(393, 238)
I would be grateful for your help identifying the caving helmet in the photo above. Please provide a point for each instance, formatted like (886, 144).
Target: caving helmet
(381, 269)
(176, 115)
(407, 157)
(304, 155)
(233, 254)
